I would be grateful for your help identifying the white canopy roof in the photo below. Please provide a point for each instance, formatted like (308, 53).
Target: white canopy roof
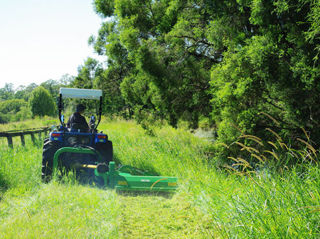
(80, 93)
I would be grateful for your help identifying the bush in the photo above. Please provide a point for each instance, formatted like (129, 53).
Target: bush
(23, 114)
(14, 110)
(41, 103)
(4, 119)
(12, 106)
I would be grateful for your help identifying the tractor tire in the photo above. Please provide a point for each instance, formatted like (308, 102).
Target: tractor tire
(49, 149)
(106, 151)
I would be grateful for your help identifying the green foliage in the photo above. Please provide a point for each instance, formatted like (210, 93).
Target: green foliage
(4, 118)
(7, 92)
(12, 106)
(41, 102)
(156, 69)
(36, 122)
(53, 86)
(23, 92)
(14, 110)
(227, 60)
(88, 74)
(91, 76)
(23, 114)
(104, 7)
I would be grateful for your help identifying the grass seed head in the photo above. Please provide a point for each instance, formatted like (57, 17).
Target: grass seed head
(274, 133)
(270, 117)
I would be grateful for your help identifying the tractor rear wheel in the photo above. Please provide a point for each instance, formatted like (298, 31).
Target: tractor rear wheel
(49, 149)
(106, 151)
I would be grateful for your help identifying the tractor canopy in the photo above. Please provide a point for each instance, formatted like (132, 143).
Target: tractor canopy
(79, 94)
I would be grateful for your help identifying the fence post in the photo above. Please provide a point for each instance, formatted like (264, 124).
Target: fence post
(9, 138)
(14, 133)
(33, 138)
(22, 139)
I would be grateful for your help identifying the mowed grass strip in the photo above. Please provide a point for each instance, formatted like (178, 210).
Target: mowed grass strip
(145, 216)
(168, 154)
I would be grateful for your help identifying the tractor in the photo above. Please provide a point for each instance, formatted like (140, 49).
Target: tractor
(90, 154)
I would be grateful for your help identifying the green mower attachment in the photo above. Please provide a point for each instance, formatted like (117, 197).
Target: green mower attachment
(124, 178)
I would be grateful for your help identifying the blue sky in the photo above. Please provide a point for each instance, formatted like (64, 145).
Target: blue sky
(44, 39)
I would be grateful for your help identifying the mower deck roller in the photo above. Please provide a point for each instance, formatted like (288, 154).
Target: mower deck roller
(124, 178)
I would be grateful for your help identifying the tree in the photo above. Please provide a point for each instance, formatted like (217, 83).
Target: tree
(271, 69)
(92, 75)
(41, 102)
(233, 60)
(12, 106)
(53, 86)
(7, 92)
(88, 74)
(23, 92)
(161, 65)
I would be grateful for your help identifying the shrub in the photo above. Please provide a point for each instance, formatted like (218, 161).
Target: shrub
(41, 103)
(23, 114)
(14, 110)
(4, 119)
(12, 106)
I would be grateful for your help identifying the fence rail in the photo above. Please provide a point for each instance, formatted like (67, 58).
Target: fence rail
(21, 133)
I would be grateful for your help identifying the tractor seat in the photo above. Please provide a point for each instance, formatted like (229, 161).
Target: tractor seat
(76, 127)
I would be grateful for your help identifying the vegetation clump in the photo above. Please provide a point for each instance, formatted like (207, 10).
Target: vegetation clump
(41, 103)
(15, 105)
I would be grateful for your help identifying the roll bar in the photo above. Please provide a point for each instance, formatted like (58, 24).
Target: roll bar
(80, 94)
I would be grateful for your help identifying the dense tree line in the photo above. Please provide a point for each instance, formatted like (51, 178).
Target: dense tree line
(244, 64)
(32, 100)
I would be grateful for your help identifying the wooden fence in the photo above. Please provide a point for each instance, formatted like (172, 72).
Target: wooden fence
(21, 133)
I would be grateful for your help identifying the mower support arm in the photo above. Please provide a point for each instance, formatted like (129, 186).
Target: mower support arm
(72, 150)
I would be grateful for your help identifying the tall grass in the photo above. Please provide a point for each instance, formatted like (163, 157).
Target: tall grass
(30, 123)
(31, 209)
(265, 203)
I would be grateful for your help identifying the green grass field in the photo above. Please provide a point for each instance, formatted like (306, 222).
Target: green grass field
(208, 204)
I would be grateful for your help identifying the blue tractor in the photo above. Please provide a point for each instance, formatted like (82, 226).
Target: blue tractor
(79, 151)
(90, 154)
